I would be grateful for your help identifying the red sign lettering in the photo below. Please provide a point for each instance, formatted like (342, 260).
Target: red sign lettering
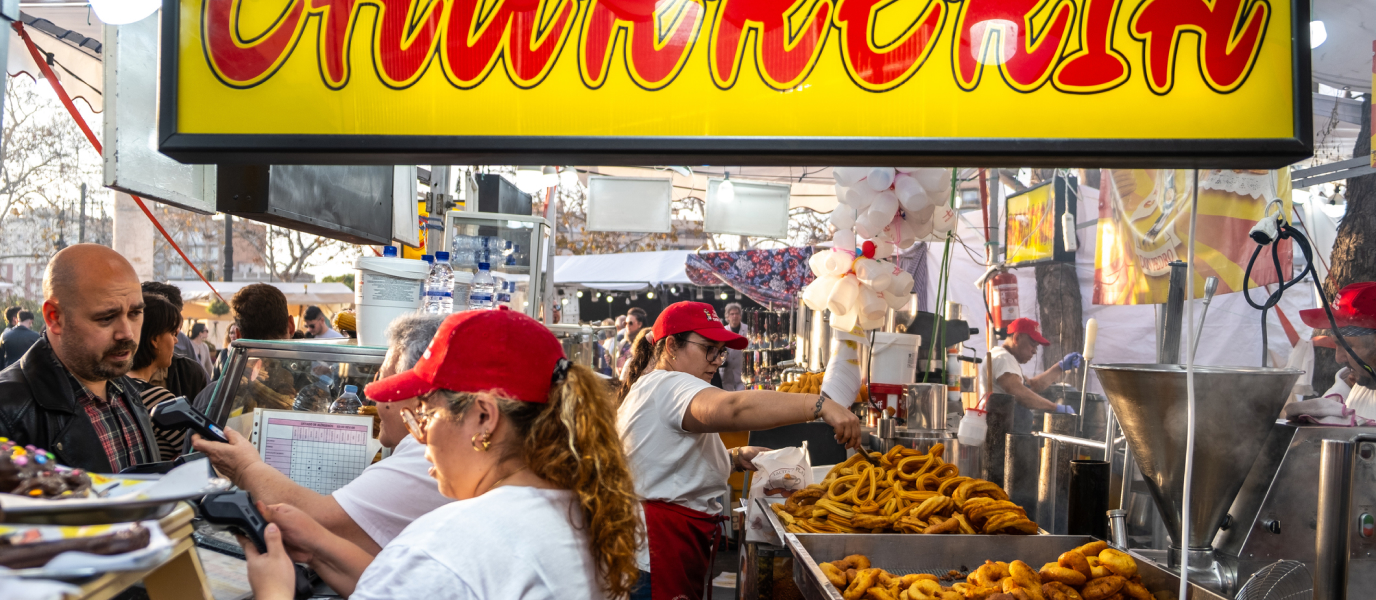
(1230, 31)
(880, 68)
(245, 61)
(1096, 66)
(784, 57)
(653, 60)
(1000, 32)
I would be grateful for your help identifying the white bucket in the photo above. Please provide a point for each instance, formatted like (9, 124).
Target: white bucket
(893, 359)
(384, 289)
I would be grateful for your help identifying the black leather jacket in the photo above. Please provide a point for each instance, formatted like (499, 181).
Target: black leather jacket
(37, 407)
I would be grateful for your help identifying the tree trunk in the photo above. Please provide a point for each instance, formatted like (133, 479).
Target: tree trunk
(1354, 252)
(1060, 311)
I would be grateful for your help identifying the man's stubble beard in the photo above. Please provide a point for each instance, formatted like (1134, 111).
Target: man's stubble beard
(94, 368)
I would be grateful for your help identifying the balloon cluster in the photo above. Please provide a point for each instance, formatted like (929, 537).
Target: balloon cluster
(881, 210)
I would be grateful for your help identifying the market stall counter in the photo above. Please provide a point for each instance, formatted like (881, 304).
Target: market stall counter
(179, 577)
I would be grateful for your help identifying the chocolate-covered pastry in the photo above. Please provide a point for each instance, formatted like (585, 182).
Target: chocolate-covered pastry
(34, 472)
(37, 554)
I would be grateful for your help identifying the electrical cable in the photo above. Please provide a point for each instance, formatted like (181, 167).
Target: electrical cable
(1189, 399)
(1287, 231)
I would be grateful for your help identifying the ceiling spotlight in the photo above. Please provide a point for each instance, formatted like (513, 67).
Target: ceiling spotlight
(650, 295)
(597, 296)
(565, 301)
(609, 298)
(723, 295)
(674, 290)
(580, 293)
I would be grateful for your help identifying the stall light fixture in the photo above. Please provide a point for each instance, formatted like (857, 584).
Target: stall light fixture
(738, 295)
(568, 176)
(533, 179)
(527, 304)
(723, 295)
(609, 298)
(634, 296)
(580, 293)
(628, 300)
(727, 190)
(650, 295)
(123, 12)
(1318, 34)
(597, 296)
(673, 290)
(699, 296)
(564, 301)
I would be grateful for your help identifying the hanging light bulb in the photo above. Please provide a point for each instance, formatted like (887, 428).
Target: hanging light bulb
(568, 176)
(123, 12)
(628, 300)
(597, 296)
(723, 295)
(609, 298)
(674, 290)
(565, 301)
(726, 192)
(529, 179)
(634, 296)
(580, 293)
(650, 295)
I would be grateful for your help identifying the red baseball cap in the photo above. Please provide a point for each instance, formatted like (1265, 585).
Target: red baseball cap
(1355, 306)
(480, 351)
(699, 318)
(1029, 327)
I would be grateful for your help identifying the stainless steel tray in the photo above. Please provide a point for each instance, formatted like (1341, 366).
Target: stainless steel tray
(901, 554)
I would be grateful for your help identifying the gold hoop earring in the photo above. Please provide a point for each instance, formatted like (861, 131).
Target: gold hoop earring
(482, 445)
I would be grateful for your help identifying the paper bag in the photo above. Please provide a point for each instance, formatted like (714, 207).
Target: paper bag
(779, 473)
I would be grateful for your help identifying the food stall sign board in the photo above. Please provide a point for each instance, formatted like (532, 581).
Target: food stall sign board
(1033, 233)
(1183, 83)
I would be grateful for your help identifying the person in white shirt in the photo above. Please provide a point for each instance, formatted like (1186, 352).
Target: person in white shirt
(373, 508)
(199, 334)
(525, 441)
(1006, 361)
(319, 326)
(669, 420)
(1354, 313)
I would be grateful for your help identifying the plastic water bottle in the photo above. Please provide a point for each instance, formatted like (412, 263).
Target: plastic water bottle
(314, 397)
(482, 294)
(504, 293)
(347, 403)
(439, 287)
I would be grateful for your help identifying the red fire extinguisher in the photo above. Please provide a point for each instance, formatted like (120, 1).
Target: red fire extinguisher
(1004, 305)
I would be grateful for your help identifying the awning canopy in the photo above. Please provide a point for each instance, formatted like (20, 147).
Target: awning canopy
(626, 272)
(296, 293)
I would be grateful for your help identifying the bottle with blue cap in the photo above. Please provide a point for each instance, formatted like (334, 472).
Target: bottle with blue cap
(482, 294)
(347, 403)
(439, 286)
(389, 251)
(314, 397)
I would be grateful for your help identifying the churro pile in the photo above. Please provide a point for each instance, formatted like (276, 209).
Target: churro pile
(1091, 572)
(907, 492)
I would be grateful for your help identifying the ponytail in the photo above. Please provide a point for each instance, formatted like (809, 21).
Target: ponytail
(572, 442)
(643, 353)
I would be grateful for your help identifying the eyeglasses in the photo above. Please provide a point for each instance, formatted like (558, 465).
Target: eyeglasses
(418, 421)
(713, 352)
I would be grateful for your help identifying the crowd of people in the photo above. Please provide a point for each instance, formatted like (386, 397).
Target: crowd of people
(513, 471)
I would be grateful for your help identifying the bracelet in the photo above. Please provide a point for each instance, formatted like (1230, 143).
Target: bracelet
(817, 410)
(736, 459)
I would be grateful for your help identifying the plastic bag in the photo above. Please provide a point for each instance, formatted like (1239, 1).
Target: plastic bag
(779, 474)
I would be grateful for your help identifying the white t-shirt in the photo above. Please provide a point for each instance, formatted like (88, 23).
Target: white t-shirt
(1003, 361)
(668, 462)
(392, 492)
(330, 334)
(512, 542)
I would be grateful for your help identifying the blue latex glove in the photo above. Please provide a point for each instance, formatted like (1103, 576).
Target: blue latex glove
(1071, 361)
(1063, 409)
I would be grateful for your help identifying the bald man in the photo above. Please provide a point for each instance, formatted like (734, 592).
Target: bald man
(69, 393)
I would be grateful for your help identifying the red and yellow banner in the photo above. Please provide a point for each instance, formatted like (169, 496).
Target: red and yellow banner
(1144, 220)
(976, 71)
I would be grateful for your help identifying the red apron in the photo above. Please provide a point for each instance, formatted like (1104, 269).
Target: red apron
(683, 544)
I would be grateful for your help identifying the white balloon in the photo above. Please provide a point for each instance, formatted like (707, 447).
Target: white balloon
(848, 176)
(815, 296)
(860, 197)
(844, 216)
(885, 202)
(933, 180)
(844, 295)
(944, 219)
(917, 200)
(843, 239)
(880, 178)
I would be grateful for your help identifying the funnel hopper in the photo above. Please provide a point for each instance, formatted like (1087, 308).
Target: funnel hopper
(1235, 410)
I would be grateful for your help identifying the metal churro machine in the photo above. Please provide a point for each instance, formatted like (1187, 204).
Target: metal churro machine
(1268, 496)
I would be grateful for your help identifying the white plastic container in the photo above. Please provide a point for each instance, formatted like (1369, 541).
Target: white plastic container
(893, 359)
(973, 428)
(385, 288)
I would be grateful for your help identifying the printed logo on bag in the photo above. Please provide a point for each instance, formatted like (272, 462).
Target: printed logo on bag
(784, 481)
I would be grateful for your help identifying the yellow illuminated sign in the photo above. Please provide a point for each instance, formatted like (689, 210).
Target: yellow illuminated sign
(775, 80)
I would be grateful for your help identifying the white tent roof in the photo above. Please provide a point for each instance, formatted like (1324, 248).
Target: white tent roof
(296, 293)
(628, 271)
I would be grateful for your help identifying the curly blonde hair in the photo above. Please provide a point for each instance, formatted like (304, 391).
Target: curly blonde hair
(571, 442)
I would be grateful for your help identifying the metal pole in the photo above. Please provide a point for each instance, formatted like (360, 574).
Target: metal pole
(1331, 538)
(81, 227)
(228, 274)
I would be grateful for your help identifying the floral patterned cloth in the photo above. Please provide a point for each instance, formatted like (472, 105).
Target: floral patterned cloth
(770, 277)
